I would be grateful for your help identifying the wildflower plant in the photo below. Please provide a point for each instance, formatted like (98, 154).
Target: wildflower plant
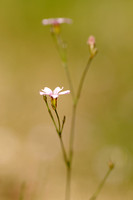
(55, 29)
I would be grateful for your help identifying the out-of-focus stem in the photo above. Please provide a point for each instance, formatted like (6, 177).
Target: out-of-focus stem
(60, 45)
(64, 152)
(71, 141)
(68, 182)
(95, 195)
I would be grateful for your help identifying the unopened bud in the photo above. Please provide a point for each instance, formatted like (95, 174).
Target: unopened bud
(91, 40)
(92, 46)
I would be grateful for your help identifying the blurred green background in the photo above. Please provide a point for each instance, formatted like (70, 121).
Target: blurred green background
(29, 148)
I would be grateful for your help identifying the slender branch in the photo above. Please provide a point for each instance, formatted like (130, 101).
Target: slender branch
(82, 79)
(95, 195)
(50, 113)
(71, 141)
(63, 122)
(58, 121)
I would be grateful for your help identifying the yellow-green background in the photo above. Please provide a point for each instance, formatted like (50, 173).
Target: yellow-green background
(29, 147)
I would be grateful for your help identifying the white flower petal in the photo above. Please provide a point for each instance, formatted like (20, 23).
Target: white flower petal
(47, 91)
(64, 20)
(64, 92)
(54, 21)
(57, 90)
(42, 93)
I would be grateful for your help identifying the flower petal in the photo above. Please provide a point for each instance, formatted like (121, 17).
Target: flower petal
(42, 93)
(55, 21)
(57, 90)
(47, 91)
(64, 92)
(64, 20)
(48, 21)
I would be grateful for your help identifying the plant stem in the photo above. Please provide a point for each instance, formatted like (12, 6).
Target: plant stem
(50, 113)
(95, 195)
(71, 141)
(68, 183)
(59, 130)
(82, 79)
(64, 152)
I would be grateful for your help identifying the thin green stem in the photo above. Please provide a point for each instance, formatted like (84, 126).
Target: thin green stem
(50, 113)
(71, 141)
(69, 170)
(58, 118)
(64, 151)
(82, 80)
(95, 195)
(63, 122)
(68, 183)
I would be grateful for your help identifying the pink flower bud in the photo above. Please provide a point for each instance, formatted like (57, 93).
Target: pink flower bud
(91, 40)
(92, 43)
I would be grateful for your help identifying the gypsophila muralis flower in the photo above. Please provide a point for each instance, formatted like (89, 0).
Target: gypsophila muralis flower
(55, 23)
(53, 94)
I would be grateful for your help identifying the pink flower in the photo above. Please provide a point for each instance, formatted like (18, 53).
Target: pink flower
(55, 93)
(56, 21)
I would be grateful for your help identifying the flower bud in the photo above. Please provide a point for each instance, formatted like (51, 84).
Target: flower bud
(92, 43)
